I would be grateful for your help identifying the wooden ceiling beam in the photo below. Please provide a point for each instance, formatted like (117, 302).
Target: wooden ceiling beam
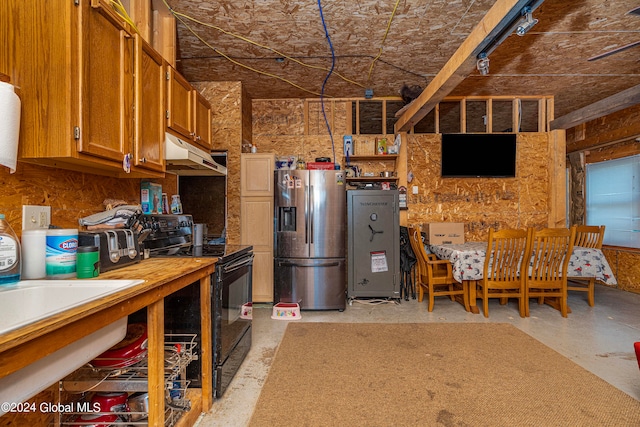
(619, 101)
(463, 62)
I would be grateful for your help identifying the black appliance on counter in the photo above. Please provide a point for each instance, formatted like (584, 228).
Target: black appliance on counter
(118, 248)
(171, 235)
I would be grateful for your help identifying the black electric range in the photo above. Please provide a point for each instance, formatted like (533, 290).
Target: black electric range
(231, 295)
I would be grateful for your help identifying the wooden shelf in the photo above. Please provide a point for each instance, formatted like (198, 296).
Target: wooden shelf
(372, 179)
(374, 157)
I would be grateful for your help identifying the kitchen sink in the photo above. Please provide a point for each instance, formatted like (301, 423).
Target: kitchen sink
(32, 300)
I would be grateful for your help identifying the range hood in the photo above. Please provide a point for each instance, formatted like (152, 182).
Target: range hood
(183, 158)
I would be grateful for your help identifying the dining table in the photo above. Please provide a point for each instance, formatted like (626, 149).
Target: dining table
(467, 261)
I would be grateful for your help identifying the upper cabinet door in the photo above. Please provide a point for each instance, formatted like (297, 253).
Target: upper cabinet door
(180, 105)
(150, 85)
(256, 174)
(106, 93)
(202, 122)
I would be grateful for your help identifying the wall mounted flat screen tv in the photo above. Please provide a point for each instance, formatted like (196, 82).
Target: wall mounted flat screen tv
(466, 155)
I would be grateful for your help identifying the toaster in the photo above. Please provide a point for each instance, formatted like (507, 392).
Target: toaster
(118, 248)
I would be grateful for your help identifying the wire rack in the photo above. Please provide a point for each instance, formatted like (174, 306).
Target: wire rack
(131, 376)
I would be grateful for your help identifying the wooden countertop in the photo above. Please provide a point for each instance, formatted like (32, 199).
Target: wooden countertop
(162, 276)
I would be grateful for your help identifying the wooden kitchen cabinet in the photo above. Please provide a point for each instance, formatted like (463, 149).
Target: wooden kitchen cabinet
(188, 112)
(179, 105)
(256, 219)
(256, 174)
(202, 121)
(256, 228)
(77, 75)
(149, 136)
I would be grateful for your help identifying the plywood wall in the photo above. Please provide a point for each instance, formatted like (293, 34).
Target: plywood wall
(71, 195)
(480, 203)
(279, 127)
(229, 109)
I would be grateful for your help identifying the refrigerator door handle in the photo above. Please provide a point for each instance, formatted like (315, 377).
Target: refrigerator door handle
(306, 214)
(311, 212)
(293, 264)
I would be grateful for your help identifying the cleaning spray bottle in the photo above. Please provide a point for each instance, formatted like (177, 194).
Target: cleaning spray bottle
(9, 254)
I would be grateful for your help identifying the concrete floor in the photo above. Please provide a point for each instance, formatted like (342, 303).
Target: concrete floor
(600, 339)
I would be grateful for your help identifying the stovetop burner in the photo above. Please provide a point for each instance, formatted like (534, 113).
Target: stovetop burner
(171, 235)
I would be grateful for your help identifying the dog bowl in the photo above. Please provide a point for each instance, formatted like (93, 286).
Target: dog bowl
(286, 311)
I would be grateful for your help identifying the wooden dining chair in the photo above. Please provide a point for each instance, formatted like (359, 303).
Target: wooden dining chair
(501, 277)
(587, 236)
(435, 276)
(548, 253)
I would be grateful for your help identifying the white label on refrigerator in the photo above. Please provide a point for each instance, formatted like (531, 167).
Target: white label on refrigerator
(379, 262)
(298, 183)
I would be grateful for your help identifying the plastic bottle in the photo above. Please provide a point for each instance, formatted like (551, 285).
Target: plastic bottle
(9, 254)
(176, 204)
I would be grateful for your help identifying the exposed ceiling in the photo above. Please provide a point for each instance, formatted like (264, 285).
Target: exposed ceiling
(260, 41)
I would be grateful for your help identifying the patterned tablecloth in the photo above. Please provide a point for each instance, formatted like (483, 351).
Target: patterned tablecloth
(467, 260)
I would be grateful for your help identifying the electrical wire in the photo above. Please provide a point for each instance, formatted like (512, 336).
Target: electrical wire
(122, 12)
(324, 83)
(247, 40)
(383, 40)
(228, 58)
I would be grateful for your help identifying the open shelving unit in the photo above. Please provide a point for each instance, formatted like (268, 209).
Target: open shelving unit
(372, 158)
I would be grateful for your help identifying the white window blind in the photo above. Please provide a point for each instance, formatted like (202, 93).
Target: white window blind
(613, 200)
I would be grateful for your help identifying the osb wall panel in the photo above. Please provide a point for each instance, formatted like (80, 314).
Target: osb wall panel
(626, 268)
(71, 195)
(480, 203)
(277, 117)
(247, 112)
(227, 130)
(336, 115)
(279, 127)
(613, 127)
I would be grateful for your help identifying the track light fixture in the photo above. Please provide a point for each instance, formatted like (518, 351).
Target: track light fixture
(483, 63)
(527, 22)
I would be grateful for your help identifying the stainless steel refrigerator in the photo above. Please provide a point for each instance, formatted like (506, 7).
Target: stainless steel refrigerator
(309, 226)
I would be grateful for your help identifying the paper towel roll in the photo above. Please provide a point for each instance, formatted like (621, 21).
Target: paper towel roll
(9, 126)
(34, 254)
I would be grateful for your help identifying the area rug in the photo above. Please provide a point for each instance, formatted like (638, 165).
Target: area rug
(431, 374)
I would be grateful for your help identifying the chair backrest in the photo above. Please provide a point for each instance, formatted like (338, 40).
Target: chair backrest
(549, 253)
(505, 255)
(589, 236)
(415, 238)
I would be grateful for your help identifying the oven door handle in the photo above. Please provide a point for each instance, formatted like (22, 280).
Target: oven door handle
(293, 264)
(233, 266)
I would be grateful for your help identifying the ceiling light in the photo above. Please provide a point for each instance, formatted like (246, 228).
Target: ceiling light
(527, 22)
(483, 64)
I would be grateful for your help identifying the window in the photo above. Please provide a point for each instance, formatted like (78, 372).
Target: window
(613, 199)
